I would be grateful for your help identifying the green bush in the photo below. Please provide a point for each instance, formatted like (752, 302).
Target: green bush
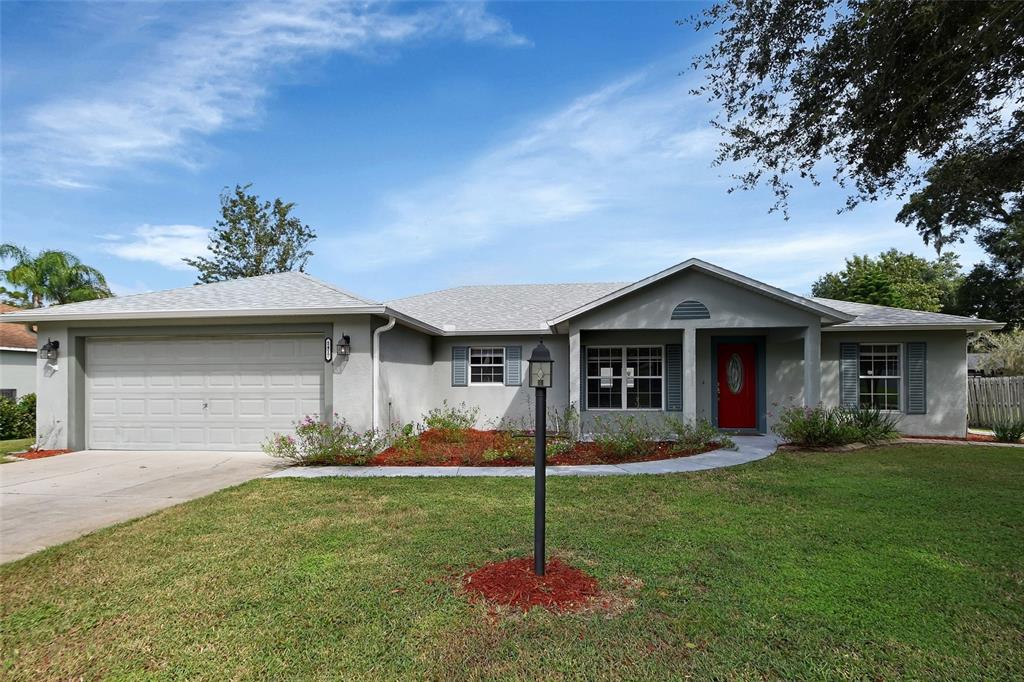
(452, 421)
(320, 443)
(694, 435)
(874, 424)
(625, 436)
(831, 426)
(18, 419)
(1009, 431)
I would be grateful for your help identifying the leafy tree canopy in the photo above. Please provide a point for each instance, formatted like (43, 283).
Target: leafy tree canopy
(1004, 352)
(253, 238)
(920, 100)
(49, 277)
(897, 279)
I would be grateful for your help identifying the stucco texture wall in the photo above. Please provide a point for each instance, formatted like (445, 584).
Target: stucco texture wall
(946, 377)
(500, 404)
(18, 371)
(406, 376)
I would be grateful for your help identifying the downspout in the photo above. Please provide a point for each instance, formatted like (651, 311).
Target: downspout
(376, 369)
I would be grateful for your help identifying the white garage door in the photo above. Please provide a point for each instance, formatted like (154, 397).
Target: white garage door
(226, 393)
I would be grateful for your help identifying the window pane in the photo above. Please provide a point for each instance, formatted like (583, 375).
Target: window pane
(487, 365)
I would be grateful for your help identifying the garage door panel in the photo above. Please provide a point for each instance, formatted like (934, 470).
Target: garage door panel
(220, 393)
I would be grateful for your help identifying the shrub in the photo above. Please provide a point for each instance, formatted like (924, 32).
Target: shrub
(874, 424)
(320, 443)
(18, 418)
(403, 436)
(565, 423)
(624, 436)
(816, 427)
(1009, 431)
(452, 421)
(695, 435)
(830, 426)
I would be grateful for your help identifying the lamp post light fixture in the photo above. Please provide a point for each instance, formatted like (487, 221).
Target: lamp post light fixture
(540, 380)
(344, 346)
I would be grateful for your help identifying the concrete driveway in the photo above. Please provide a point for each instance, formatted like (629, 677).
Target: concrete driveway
(44, 502)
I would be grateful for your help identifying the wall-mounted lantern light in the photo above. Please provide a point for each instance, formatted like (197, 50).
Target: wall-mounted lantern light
(328, 349)
(49, 351)
(344, 346)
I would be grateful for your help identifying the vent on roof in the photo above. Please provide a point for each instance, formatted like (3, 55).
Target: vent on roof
(691, 310)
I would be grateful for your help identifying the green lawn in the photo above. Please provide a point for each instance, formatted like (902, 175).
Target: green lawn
(900, 562)
(16, 445)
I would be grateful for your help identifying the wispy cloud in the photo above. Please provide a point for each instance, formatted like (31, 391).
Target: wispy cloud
(617, 184)
(162, 244)
(214, 75)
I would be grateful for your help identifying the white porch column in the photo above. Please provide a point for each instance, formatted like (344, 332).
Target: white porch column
(575, 398)
(690, 375)
(812, 365)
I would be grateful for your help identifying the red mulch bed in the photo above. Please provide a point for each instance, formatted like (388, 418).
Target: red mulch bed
(39, 454)
(513, 583)
(502, 448)
(977, 437)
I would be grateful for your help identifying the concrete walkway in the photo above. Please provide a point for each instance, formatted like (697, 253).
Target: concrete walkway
(748, 449)
(44, 502)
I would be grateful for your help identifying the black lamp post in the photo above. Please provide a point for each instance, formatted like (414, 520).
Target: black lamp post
(540, 379)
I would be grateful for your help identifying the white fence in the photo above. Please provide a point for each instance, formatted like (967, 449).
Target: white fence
(994, 399)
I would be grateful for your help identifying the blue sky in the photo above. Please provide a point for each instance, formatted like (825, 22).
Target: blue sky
(429, 145)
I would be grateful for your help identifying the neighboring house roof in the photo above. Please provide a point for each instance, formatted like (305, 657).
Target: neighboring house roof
(14, 336)
(870, 316)
(501, 307)
(827, 312)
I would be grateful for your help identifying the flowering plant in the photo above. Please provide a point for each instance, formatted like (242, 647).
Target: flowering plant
(319, 442)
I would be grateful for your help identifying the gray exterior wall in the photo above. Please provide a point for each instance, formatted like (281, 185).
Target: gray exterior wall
(60, 410)
(946, 377)
(499, 403)
(406, 376)
(730, 306)
(18, 371)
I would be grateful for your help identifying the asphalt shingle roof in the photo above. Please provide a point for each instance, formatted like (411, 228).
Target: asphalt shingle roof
(870, 315)
(466, 309)
(500, 307)
(286, 290)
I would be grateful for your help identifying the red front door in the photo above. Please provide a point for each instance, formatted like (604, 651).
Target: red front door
(737, 386)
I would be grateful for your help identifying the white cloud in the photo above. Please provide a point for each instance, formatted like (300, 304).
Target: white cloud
(162, 244)
(214, 75)
(614, 186)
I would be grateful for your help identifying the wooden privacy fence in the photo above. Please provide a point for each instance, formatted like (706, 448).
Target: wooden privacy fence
(994, 399)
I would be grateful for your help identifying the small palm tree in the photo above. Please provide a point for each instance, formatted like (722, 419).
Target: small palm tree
(50, 277)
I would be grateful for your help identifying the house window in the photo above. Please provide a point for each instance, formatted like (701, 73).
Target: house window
(487, 365)
(625, 377)
(880, 376)
(9, 393)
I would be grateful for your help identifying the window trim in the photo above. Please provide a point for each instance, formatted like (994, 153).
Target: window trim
(469, 366)
(901, 378)
(624, 347)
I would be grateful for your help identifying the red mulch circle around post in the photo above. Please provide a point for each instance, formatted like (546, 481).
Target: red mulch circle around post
(513, 583)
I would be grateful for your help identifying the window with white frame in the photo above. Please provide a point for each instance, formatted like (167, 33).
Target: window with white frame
(880, 376)
(625, 377)
(487, 365)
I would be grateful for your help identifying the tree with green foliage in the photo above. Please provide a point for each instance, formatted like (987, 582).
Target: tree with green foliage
(922, 100)
(897, 279)
(1003, 353)
(253, 238)
(48, 278)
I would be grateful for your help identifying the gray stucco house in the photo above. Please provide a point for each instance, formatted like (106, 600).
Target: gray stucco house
(221, 366)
